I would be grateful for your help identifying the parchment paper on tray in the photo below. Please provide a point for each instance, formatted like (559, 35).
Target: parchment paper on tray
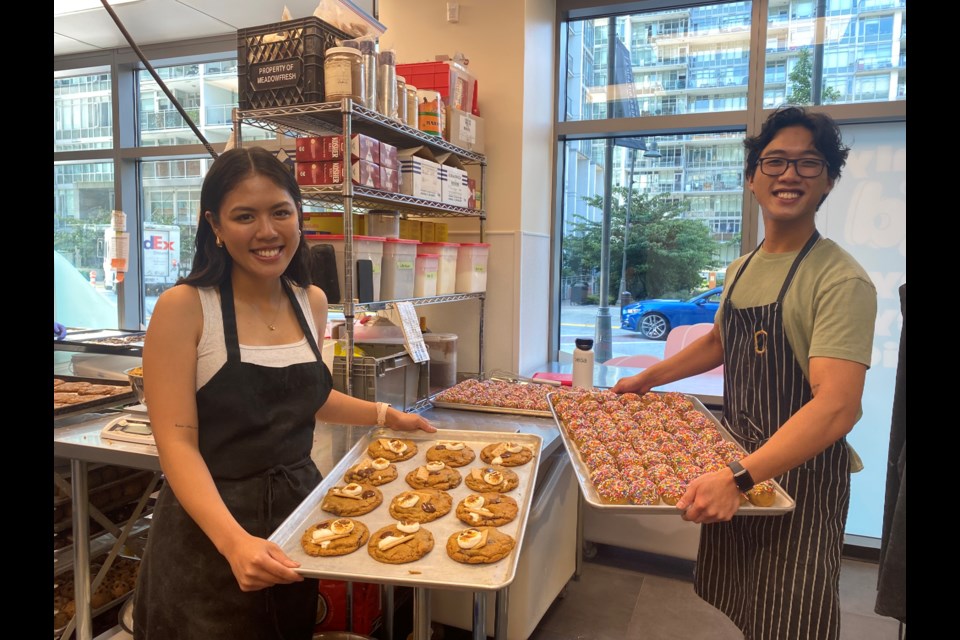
(436, 568)
(588, 421)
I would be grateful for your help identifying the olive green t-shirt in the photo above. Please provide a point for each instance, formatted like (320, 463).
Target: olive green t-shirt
(829, 310)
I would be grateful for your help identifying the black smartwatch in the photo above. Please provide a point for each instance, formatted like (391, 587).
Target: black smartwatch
(741, 476)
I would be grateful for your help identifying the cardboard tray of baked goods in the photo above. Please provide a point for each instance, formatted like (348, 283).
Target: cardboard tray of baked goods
(436, 569)
(122, 393)
(782, 503)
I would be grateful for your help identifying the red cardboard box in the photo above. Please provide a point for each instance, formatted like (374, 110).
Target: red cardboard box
(326, 148)
(390, 179)
(388, 156)
(363, 173)
(456, 84)
(332, 607)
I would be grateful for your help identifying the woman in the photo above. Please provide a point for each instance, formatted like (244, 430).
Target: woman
(795, 335)
(235, 382)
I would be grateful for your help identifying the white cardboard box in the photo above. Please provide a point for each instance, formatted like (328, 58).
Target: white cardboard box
(464, 130)
(419, 173)
(454, 188)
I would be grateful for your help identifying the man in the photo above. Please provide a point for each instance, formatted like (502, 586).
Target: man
(794, 333)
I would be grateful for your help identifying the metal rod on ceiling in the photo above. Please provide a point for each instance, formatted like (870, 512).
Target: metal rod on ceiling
(153, 72)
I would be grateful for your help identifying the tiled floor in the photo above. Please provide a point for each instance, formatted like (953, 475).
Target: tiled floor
(629, 595)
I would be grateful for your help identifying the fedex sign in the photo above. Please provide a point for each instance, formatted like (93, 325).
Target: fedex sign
(158, 243)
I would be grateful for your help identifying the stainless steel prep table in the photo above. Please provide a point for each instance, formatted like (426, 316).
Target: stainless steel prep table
(80, 442)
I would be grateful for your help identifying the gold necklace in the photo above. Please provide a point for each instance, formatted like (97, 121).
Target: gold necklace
(270, 325)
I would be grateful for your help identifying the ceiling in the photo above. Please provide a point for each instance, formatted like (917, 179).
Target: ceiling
(154, 21)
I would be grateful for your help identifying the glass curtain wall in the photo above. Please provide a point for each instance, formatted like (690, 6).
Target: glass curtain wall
(652, 110)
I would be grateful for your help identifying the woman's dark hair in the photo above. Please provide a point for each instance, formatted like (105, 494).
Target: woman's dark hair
(211, 264)
(826, 138)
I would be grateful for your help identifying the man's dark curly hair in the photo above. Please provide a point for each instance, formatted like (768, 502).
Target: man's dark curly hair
(826, 138)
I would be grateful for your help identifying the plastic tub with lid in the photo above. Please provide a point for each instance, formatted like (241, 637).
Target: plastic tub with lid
(472, 267)
(398, 276)
(425, 280)
(364, 248)
(447, 268)
(442, 348)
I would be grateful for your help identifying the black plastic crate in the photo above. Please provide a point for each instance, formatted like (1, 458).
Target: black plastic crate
(281, 64)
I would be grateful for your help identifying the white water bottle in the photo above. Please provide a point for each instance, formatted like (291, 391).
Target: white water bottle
(583, 363)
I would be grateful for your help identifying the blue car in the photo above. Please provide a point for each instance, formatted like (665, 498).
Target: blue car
(654, 318)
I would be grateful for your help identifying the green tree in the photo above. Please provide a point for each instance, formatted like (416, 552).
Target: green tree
(801, 82)
(665, 252)
(79, 240)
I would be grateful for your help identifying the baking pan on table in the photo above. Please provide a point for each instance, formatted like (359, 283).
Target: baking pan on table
(436, 569)
(783, 503)
(483, 408)
(115, 400)
(105, 341)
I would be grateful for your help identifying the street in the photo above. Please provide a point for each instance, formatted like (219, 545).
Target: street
(580, 321)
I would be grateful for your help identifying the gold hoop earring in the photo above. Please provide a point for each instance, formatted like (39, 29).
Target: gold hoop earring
(219, 242)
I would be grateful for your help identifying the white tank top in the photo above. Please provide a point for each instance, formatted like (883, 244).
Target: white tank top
(212, 350)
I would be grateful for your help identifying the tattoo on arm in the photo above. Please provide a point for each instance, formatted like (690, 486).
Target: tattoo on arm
(184, 426)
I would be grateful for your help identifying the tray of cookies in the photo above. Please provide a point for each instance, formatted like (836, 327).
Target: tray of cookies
(73, 395)
(638, 453)
(439, 510)
(498, 396)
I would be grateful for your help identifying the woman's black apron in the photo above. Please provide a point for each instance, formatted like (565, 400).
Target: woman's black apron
(256, 431)
(776, 577)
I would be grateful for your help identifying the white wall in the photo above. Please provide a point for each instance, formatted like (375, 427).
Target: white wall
(510, 47)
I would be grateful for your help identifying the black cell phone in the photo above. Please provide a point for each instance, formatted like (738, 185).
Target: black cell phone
(323, 271)
(365, 280)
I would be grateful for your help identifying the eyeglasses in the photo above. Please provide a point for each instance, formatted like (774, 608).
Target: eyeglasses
(805, 167)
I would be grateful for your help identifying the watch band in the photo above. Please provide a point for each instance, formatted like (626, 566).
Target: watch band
(382, 414)
(741, 476)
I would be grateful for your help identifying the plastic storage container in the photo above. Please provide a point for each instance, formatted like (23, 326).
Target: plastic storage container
(425, 280)
(443, 360)
(383, 223)
(364, 248)
(447, 267)
(472, 267)
(343, 75)
(398, 277)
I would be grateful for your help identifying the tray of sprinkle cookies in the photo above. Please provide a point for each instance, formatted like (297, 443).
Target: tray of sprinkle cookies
(638, 453)
(445, 510)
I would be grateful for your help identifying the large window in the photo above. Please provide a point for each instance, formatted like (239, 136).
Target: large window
(653, 161)
(94, 174)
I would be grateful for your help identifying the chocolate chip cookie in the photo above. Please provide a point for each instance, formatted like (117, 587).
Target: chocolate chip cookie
(393, 449)
(335, 537)
(352, 499)
(487, 509)
(507, 454)
(376, 472)
(479, 545)
(434, 475)
(400, 542)
(421, 505)
(453, 454)
(492, 478)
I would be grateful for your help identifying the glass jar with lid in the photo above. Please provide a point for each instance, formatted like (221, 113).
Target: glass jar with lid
(343, 75)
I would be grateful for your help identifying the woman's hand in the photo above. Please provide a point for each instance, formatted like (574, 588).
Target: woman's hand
(403, 421)
(257, 564)
(713, 497)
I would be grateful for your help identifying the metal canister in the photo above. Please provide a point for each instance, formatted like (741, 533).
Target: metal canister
(387, 84)
(368, 57)
(413, 113)
(401, 99)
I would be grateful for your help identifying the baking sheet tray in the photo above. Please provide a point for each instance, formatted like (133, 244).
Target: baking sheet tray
(436, 569)
(783, 503)
(107, 341)
(85, 407)
(489, 409)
